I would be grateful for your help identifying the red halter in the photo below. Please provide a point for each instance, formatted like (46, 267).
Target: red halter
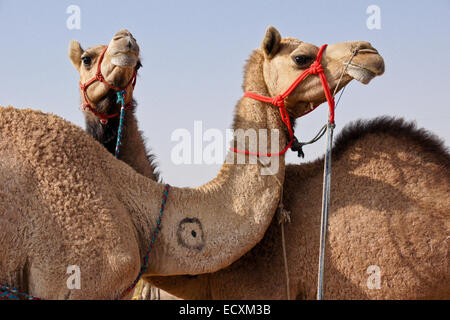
(278, 101)
(99, 77)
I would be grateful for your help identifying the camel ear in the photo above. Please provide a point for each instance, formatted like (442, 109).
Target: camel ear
(75, 52)
(271, 42)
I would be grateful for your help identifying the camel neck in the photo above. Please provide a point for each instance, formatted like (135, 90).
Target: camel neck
(207, 228)
(257, 128)
(133, 150)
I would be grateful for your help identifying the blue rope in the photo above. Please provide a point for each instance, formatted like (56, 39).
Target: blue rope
(13, 294)
(120, 98)
(155, 235)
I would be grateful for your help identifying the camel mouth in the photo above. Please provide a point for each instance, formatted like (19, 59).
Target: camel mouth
(117, 52)
(124, 58)
(366, 65)
(361, 73)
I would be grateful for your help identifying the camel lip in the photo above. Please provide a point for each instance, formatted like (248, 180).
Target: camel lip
(367, 68)
(118, 52)
(373, 50)
(124, 59)
(360, 73)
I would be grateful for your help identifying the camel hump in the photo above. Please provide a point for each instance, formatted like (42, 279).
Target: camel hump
(395, 127)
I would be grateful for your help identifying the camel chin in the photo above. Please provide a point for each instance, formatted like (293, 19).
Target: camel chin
(124, 60)
(360, 73)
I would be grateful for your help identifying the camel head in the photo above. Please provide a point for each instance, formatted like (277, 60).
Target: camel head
(118, 66)
(286, 58)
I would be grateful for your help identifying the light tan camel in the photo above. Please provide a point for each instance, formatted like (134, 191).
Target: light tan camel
(66, 201)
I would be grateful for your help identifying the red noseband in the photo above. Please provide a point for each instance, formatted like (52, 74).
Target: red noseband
(86, 106)
(278, 101)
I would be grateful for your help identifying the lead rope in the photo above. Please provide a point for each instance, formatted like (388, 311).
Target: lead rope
(9, 293)
(147, 255)
(284, 216)
(326, 192)
(121, 95)
(120, 98)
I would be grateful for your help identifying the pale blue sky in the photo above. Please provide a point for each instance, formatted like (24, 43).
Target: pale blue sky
(193, 53)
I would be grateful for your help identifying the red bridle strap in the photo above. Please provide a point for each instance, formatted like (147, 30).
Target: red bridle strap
(99, 77)
(103, 116)
(278, 101)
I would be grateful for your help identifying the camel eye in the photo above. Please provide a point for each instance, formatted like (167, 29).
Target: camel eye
(302, 60)
(86, 60)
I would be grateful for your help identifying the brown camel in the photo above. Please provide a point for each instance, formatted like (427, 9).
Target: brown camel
(66, 201)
